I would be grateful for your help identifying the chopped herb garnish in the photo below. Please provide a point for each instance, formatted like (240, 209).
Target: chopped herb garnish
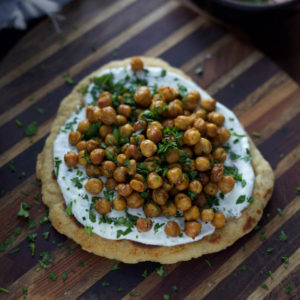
(52, 276)
(145, 274)
(46, 235)
(40, 110)
(270, 250)
(77, 183)
(44, 219)
(263, 285)
(174, 288)
(105, 283)
(208, 263)
(23, 211)
(256, 134)
(280, 212)
(163, 73)
(4, 290)
(282, 237)
(17, 230)
(14, 251)
(298, 190)
(68, 78)
(19, 123)
(68, 211)
(285, 259)
(25, 291)
(157, 226)
(31, 129)
(198, 71)
(166, 297)
(32, 248)
(243, 268)
(57, 163)
(134, 294)
(288, 289)
(160, 271)
(241, 199)
(88, 230)
(64, 275)
(115, 267)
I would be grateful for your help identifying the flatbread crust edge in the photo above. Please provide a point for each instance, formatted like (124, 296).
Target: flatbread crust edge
(129, 251)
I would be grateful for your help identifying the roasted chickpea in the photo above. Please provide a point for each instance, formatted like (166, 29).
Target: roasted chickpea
(202, 164)
(120, 174)
(137, 185)
(168, 123)
(172, 229)
(120, 120)
(160, 196)
(174, 109)
(190, 167)
(192, 229)
(108, 115)
(111, 151)
(192, 214)
(81, 146)
(152, 163)
(216, 118)
(91, 145)
(93, 113)
(126, 130)
(186, 113)
(200, 200)
(82, 158)
(71, 159)
(151, 209)
(220, 155)
(74, 137)
(125, 110)
(121, 158)
(203, 147)
(102, 206)
(119, 203)
(135, 200)
(137, 139)
(223, 135)
(207, 215)
(92, 170)
(142, 96)
(154, 181)
(124, 189)
(167, 186)
(110, 184)
(97, 156)
(191, 136)
(200, 113)
(109, 165)
(132, 151)
(158, 105)
(211, 189)
(168, 93)
(183, 202)
(174, 175)
(211, 130)
(139, 125)
(200, 124)
(208, 104)
(182, 122)
(217, 173)
(183, 184)
(154, 134)
(139, 177)
(104, 130)
(169, 210)
(143, 224)
(136, 64)
(218, 220)
(226, 184)
(192, 100)
(94, 186)
(84, 126)
(173, 156)
(195, 186)
(148, 148)
(104, 100)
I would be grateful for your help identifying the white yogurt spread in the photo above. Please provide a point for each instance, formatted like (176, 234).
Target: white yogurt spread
(231, 205)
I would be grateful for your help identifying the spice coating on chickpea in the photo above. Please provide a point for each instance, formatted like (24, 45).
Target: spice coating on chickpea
(94, 186)
(172, 229)
(143, 224)
(192, 229)
(218, 220)
(102, 206)
(71, 159)
(136, 64)
(148, 148)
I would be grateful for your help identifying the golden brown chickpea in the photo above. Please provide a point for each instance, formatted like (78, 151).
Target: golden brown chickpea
(211, 189)
(182, 122)
(173, 156)
(81, 146)
(137, 139)
(169, 210)
(151, 209)
(120, 174)
(218, 220)
(104, 130)
(190, 167)
(154, 134)
(74, 137)
(200, 200)
(139, 125)
(192, 100)
(216, 118)
(91, 145)
(105, 173)
(124, 189)
(111, 151)
(168, 93)
(207, 215)
(142, 96)
(191, 136)
(167, 186)
(226, 184)
(192, 214)
(157, 97)
(200, 124)
(94, 186)
(93, 113)
(120, 120)
(152, 163)
(211, 130)
(208, 104)
(82, 158)
(108, 115)
(71, 159)
(92, 170)
(125, 110)
(192, 229)
(135, 200)
(157, 124)
(168, 123)
(119, 203)
(136, 64)
(102, 206)
(223, 135)
(143, 224)
(160, 196)
(217, 173)
(174, 109)
(183, 202)
(137, 185)
(104, 100)
(174, 175)
(154, 181)
(220, 155)
(110, 184)
(148, 148)
(172, 229)
(139, 177)
(126, 130)
(203, 147)
(183, 184)
(158, 105)
(195, 186)
(131, 170)
(121, 158)
(109, 165)
(200, 113)
(84, 126)
(186, 113)
(202, 164)
(97, 156)
(204, 178)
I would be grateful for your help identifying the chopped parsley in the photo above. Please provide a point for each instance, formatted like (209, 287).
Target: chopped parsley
(264, 286)
(68, 211)
(280, 212)
(288, 289)
(174, 288)
(68, 78)
(145, 274)
(57, 163)
(208, 263)
(77, 182)
(256, 134)
(134, 294)
(52, 276)
(115, 267)
(157, 226)
(160, 271)
(23, 211)
(4, 290)
(64, 275)
(31, 129)
(18, 123)
(88, 230)
(105, 284)
(198, 71)
(282, 237)
(163, 73)
(166, 297)
(241, 199)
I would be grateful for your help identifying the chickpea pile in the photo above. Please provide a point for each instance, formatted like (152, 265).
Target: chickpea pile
(159, 152)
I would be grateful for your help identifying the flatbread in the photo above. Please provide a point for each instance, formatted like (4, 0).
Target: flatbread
(129, 251)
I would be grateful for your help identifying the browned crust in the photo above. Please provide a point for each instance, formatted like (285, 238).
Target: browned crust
(133, 252)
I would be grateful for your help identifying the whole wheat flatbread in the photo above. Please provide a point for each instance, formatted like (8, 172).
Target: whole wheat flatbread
(133, 252)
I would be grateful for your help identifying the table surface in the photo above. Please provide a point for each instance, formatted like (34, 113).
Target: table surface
(263, 96)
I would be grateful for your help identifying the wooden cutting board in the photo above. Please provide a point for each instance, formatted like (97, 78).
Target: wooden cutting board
(264, 97)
